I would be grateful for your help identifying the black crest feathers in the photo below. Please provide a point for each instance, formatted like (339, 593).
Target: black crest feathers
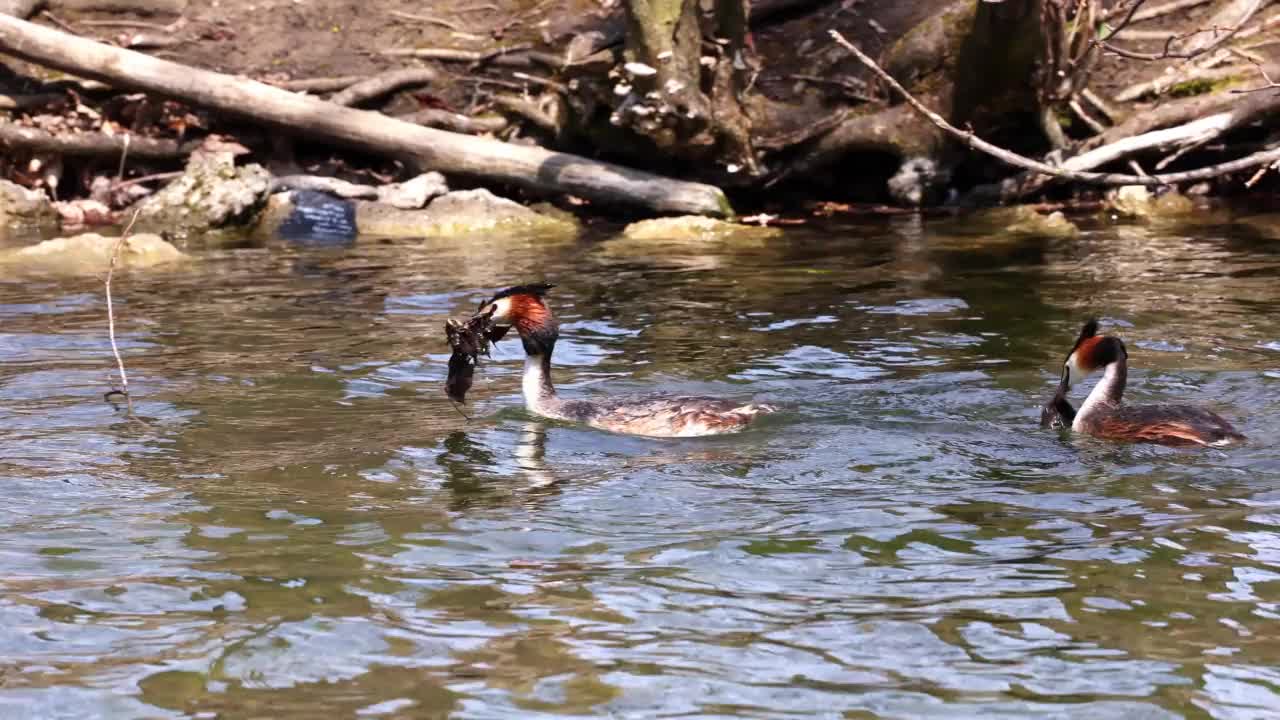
(537, 290)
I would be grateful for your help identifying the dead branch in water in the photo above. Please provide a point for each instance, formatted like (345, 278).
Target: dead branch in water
(111, 319)
(1251, 161)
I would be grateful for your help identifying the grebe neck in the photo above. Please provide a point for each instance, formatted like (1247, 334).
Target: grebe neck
(1105, 395)
(539, 394)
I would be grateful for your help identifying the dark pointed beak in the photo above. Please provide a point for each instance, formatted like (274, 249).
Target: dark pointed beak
(494, 332)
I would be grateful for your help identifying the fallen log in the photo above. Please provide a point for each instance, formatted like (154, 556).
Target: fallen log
(31, 101)
(477, 157)
(91, 143)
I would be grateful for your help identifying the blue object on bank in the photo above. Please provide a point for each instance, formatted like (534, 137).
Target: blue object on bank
(319, 220)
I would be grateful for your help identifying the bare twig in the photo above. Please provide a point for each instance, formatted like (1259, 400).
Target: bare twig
(458, 407)
(434, 117)
(176, 24)
(498, 56)
(1084, 116)
(62, 24)
(1156, 11)
(111, 318)
(426, 19)
(1265, 76)
(1258, 175)
(384, 83)
(1195, 50)
(530, 111)
(545, 82)
(124, 155)
(145, 179)
(1260, 158)
(319, 85)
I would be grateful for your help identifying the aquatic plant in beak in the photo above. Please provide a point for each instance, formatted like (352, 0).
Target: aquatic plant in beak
(467, 341)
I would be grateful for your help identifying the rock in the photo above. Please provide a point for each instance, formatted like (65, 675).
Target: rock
(696, 227)
(458, 213)
(212, 194)
(1023, 220)
(79, 214)
(919, 181)
(415, 193)
(1137, 201)
(462, 212)
(19, 205)
(89, 254)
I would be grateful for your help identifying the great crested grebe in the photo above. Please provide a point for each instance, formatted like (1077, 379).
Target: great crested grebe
(1103, 415)
(522, 307)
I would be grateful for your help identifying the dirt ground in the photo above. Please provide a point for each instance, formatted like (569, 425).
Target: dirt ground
(275, 40)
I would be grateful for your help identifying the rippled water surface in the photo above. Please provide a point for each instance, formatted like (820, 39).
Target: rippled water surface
(302, 526)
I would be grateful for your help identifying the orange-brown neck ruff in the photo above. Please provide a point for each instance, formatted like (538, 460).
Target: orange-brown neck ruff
(529, 314)
(1088, 355)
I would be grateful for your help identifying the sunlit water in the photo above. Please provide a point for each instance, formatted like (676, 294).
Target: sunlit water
(302, 526)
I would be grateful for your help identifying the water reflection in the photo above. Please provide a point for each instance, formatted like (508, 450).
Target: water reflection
(306, 526)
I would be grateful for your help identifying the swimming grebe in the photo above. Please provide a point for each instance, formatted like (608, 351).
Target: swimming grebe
(522, 307)
(1103, 415)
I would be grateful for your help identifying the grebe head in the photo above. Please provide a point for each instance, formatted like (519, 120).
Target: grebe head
(522, 307)
(1091, 352)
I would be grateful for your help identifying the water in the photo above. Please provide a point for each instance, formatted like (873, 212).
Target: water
(302, 526)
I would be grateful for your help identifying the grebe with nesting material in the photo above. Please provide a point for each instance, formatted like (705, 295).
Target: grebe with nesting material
(1104, 415)
(523, 307)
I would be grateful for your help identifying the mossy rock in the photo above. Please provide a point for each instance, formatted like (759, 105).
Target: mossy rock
(459, 213)
(1139, 202)
(23, 209)
(697, 228)
(208, 203)
(1023, 220)
(89, 254)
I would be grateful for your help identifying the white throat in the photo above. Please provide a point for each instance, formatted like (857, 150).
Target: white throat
(1105, 394)
(536, 384)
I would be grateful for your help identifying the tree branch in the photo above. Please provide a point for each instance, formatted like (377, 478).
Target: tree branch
(1016, 160)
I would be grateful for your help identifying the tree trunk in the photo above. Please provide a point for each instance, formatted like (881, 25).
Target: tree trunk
(684, 79)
